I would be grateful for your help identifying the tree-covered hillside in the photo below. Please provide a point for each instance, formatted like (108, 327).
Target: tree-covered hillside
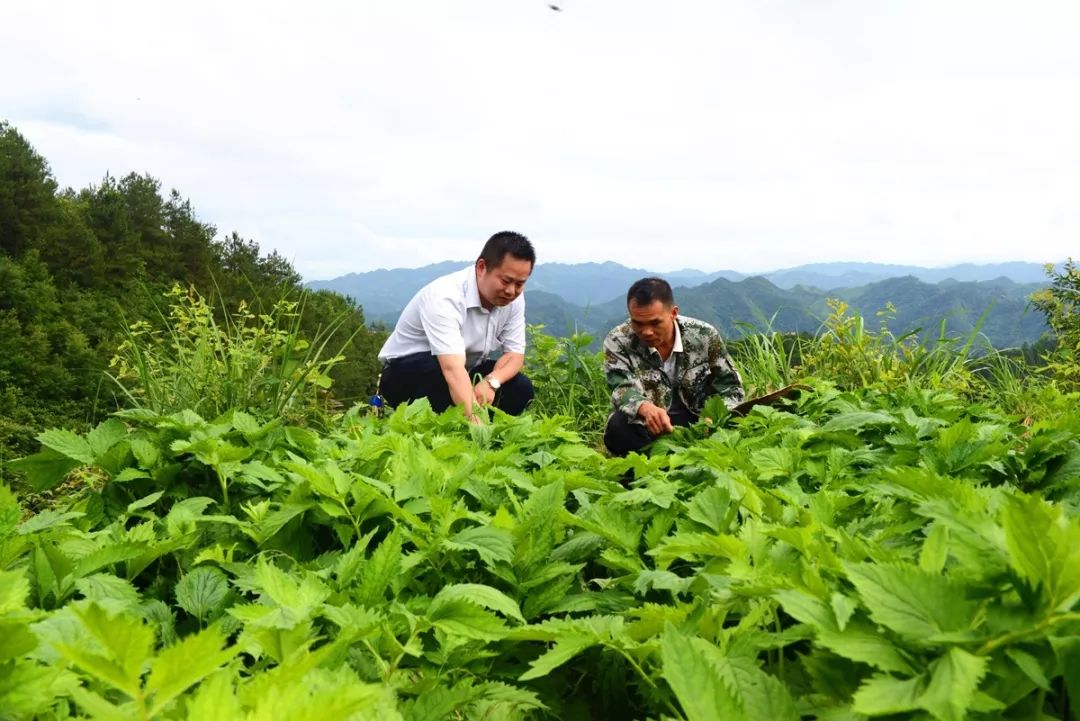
(78, 266)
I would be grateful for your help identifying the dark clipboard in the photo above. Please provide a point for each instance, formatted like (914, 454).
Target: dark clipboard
(770, 399)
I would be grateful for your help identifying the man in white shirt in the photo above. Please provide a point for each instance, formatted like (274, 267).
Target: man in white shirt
(447, 332)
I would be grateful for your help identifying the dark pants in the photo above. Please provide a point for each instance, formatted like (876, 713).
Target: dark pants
(419, 375)
(622, 437)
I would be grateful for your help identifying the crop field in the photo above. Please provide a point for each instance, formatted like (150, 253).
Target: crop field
(909, 555)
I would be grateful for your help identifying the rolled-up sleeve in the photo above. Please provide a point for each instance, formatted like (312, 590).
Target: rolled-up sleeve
(443, 319)
(512, 336)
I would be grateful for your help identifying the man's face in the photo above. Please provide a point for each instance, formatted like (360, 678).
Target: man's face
(501, 284)
(653, 324)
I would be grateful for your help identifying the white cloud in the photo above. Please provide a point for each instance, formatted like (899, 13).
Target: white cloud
(356, 135)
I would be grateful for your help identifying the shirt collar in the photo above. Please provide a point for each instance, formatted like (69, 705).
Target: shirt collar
(677, 348)
(472, 291)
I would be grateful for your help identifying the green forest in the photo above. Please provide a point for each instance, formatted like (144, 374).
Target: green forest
(202, 518)
(79, 269)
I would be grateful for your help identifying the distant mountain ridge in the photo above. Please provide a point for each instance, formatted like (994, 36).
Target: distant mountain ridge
(591, 296)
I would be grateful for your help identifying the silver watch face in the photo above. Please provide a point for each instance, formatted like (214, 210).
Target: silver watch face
(494, 383)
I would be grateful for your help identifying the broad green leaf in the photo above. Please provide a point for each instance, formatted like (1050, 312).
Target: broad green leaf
(379, 572)
(14, 590)
(27, 691)
(1044, 548)
(481, 595)
(884, 695)
(101, 709)
(45, 469)
(440, 703)
(697, 685)
(711, 508)
(698, 546)
(105, 435)
(935, 549)
(146, 453)
(184, 664)
(16, 640)
(145, 501)
(843, 607)
(202, 592)
(857, 641)
(214, 700)
(857, 420)
(466, 619)
(565, 648)
(112, 592)
(69, 444)
(10, 512)
(127, 641)
(911, 601)
(1030, 666)
(46, 520)
(492, 544)
(954, 678)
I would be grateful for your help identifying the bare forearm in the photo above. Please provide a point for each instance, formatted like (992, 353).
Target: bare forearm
(508, 366)
(457, 380)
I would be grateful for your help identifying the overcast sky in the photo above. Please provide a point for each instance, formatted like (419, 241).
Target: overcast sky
(747, 135)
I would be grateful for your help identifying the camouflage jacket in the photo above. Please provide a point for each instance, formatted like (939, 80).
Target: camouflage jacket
(635, 372)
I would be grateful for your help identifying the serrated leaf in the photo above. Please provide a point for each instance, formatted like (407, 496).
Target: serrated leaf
(111, 591)
(68, 443)
(858, 641)
(492, 544)
(910, 601)
(1044, 547)
(711, 508)
(693, 546)
(466, 619)
(127, 641)
(857, 420)
(565, 648)
(147, 454)
(46, 520)
(105, 435)
(202, 592)
(379, 571)
(480, 595)
(184, 664)
(215, 700)
(696, 683)
(954, 679)
(883, 695)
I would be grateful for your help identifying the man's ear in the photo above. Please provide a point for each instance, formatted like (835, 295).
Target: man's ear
(481, 266)
(674, 311)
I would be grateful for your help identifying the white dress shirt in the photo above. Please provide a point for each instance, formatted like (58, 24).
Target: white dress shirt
(446, 318)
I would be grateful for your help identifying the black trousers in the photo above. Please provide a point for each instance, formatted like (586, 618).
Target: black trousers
(419, 375)
(622, 437)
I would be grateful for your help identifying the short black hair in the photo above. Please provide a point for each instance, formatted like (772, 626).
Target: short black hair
(503, 242)
(649, 290)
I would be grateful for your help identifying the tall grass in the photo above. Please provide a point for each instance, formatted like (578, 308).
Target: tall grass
(259, 363)
(569, 380)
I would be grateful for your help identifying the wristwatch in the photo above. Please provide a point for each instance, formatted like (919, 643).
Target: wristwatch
(494, 382)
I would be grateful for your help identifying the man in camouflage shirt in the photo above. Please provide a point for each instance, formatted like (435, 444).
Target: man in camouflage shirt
(661, 367)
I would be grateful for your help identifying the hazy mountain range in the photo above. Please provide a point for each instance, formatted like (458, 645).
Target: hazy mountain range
(591, 296)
